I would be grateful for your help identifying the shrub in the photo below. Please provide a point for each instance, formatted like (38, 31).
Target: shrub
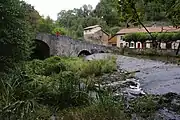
(46, 67)
(90, 68)
(97, 67)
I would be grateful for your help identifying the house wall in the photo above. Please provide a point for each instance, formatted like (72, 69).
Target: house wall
(163, 45)
(104, 38)
(139, 43)
(120, 42)
(148, 44)
(113, 41)
(132, 44)
(98, 37)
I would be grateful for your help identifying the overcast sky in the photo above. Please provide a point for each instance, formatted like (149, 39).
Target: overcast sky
(53, 7)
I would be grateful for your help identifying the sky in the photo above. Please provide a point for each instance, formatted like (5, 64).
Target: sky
(53, 7)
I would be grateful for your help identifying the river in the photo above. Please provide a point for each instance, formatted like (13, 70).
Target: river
(155, 77)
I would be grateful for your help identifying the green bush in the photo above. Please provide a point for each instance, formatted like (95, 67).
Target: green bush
(160, 37)
(47, 67)
(91, 68)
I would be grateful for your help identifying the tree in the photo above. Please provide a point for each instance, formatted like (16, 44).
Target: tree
(62, 31)
(86, 9)
(114, 30)
(77, 19)
(32, 16)
(80, 32)
(135, 13)
(46, 25)
(108, 11)
(15, 37)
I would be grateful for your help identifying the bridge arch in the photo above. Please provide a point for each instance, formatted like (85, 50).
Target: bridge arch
(101, 51)
(84, 53)
(41, 50)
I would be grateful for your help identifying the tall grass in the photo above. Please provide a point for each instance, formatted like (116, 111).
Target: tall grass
(91, 68)
(60, 87)
(48, 86)
(102, 110)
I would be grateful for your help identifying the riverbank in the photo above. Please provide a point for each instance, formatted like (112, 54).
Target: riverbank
(165, 59)
(97, 87)
(167, 56)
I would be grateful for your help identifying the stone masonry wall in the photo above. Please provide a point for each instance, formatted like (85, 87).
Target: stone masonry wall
(66, 46)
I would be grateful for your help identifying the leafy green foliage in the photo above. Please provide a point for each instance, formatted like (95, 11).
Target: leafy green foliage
(106, 110)
(53, 84)
(108, 11)
(114, 30)
(77, 19)
(136, 37)
(159, 37)
(32, 16)
(46, 25)
(136, 11)
(14, 34)
(62, 31)
(91, 68)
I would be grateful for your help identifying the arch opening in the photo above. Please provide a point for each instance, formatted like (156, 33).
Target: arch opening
(41, 50)
(84, 53)
(101, 52)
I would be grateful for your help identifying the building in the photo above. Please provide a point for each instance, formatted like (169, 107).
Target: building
(95, 34)
(118, 37)
(113, 40)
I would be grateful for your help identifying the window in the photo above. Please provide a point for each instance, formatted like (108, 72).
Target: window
(114, 44)
(121, 37)
(168, 45)
(127, 44)
(132, 44)
(121, 44)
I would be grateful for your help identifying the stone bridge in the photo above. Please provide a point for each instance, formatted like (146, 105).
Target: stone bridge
(50, 45)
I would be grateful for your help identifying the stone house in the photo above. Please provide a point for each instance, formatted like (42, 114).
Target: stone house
(95, 34)
(148, 44)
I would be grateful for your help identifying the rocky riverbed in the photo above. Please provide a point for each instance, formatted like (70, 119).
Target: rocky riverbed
(138, 77)
(155, 77)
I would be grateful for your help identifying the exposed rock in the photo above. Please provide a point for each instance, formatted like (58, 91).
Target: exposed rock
(166, 114)
(154, 77)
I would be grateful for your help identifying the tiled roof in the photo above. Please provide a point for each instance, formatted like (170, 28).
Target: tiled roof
(151, 29)
(90, 27)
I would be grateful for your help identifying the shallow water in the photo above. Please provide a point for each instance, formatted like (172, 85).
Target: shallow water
(155, 77)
